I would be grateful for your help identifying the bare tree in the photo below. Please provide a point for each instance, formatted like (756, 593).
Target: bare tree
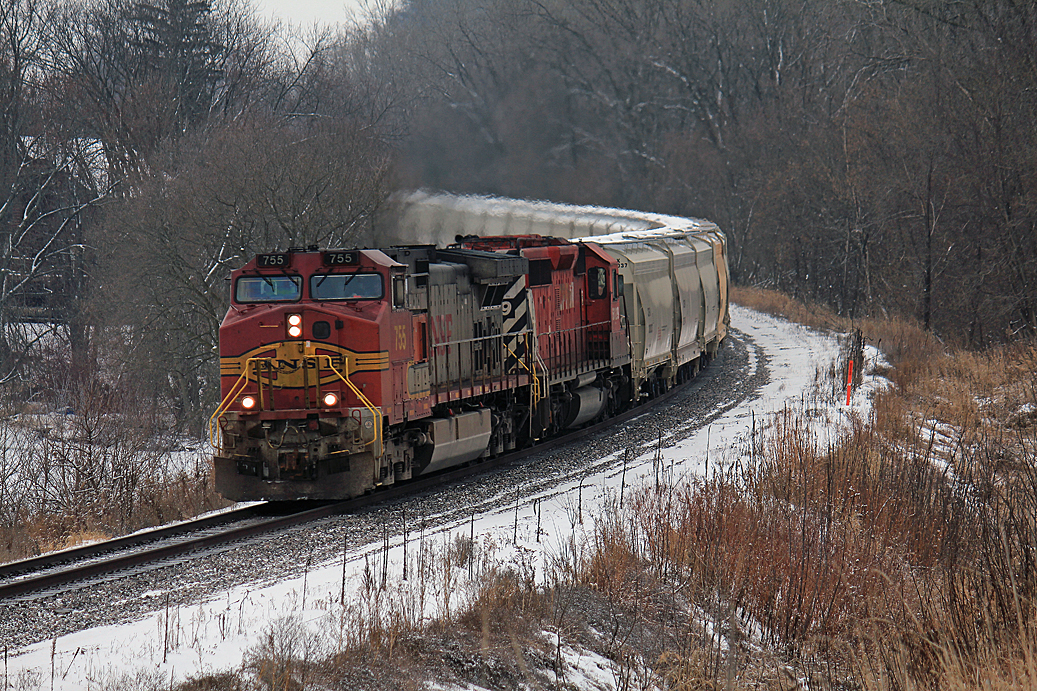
(46, 187)
(226, 194)
(140, 74)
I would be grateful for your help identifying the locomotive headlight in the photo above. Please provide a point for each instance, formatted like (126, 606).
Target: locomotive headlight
(330, 399)
(295, 325)
(248, 402)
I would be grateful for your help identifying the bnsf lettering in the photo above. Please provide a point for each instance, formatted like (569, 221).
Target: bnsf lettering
(292, 365)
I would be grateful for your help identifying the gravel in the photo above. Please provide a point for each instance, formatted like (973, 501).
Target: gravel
(127, 596)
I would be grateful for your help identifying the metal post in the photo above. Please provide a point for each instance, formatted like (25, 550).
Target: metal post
(305, 383)
(345, 549)
(316, 365)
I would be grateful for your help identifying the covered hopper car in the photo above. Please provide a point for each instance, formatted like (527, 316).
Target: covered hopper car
(344, 370)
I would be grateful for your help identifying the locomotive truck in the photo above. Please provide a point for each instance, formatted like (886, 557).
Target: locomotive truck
(343, 370)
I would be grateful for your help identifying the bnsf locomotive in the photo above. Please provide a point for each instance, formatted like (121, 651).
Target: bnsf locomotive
(345, 370)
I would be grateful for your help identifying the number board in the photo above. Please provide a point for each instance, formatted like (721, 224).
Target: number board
(342, 258)
(271, 260)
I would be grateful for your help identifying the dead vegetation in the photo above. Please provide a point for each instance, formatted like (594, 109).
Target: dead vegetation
(96, 465)
(920, 525)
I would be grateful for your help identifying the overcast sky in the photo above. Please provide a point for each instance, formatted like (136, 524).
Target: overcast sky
(306, 12)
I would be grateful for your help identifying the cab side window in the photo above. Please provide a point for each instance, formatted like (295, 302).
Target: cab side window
(399, 290)
(597, 279)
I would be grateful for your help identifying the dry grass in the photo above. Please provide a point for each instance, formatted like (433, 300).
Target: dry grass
(41, 537)
(98, 468)
(903, 341)
(904, 558)
(781, 305)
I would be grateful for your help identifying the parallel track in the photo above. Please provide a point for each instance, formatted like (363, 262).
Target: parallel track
(17, 578)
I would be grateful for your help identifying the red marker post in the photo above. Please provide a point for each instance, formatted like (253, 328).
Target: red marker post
(849, 383)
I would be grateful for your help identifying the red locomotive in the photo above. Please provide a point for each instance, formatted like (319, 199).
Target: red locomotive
(345, 370)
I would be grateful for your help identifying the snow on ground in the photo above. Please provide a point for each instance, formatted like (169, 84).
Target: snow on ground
(216, 635)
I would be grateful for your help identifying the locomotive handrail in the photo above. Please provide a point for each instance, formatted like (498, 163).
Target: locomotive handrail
(581, 327)
(231, 395)
(359, 394)
(242, 381)
(534, 379)
(559, 346)
(537, 359)
(481, 339)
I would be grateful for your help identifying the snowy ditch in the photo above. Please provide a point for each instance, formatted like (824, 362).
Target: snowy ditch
(522, 530)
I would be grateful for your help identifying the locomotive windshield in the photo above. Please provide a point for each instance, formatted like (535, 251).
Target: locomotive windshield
(346, 287)
(268, 289)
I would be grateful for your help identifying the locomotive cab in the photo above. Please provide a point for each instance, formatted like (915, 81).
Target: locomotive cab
(306, 354)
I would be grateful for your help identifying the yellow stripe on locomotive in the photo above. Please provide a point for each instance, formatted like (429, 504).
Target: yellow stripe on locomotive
(286, 363)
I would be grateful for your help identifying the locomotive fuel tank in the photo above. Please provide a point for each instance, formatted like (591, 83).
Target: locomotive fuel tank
(454, 440)
(584, 404)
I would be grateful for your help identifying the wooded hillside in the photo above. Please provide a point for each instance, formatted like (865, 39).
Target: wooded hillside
(876, 156)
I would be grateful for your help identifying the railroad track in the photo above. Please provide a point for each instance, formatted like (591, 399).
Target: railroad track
(56, 568)
(62, 569)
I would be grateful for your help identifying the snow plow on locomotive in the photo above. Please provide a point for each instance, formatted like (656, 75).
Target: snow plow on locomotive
(346, 370)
